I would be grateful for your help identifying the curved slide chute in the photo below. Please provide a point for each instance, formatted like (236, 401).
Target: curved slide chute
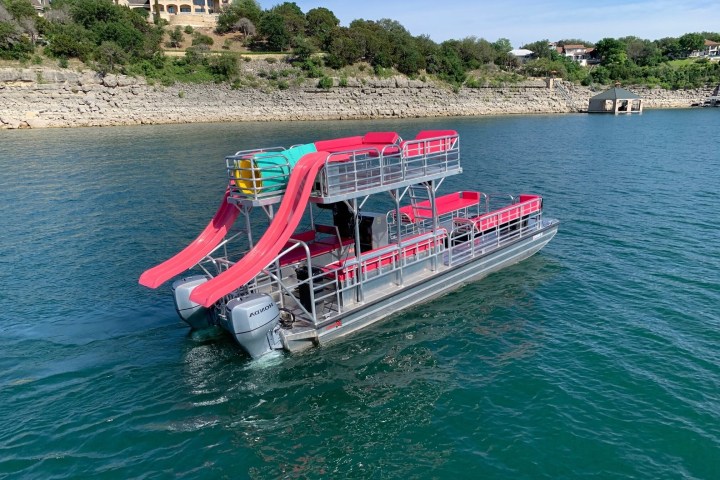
(213, 234)
(278, 233)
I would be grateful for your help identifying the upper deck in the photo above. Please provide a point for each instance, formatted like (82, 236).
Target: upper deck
(352, 167)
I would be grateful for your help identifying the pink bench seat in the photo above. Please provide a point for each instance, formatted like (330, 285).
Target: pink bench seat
(429, 142)
(445, 204)
(384, 142)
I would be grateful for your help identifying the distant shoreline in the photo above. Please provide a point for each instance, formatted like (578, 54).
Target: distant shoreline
(46, 98)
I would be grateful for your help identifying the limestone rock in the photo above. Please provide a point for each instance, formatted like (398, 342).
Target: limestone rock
(110, 81)
(9, 75)
(36, 123)
(10, 122)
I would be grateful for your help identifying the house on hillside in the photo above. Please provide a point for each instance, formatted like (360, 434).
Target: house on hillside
(522, 54)
(710, 50)
(579, 53)
(197, 13)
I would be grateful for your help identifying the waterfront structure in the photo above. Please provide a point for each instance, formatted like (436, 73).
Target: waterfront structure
(615, 100)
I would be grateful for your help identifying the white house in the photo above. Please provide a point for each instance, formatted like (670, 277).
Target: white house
(579, 53)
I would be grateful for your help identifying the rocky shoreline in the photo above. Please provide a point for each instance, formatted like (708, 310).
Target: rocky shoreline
(43, 97)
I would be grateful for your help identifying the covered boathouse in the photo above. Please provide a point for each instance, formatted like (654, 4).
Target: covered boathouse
(616, 100)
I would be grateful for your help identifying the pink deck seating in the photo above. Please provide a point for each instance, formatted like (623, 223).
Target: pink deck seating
(527, 204)
(384, 256)
(318, 245)
(384, 142)
(423, 145)
(445, 204)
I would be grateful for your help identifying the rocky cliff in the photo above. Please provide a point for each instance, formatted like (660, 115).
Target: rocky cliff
(42, 97)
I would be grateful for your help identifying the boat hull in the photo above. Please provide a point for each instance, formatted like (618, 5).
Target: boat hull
(429, 288)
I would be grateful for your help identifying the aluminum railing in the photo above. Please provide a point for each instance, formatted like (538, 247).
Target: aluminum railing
(348, 172)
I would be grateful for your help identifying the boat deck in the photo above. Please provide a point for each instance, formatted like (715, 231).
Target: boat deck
(352, 169)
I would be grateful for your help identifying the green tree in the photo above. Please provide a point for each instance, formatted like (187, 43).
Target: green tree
(176, 37)
(302, 48)
(545, 67)
(474, 52)
(249, 9)
(321, 23)
(691, 42)
(574, 41)
(540, 49)
(450, 66)
(669, 47)
(374, 41)
(642, 52)
(293, 17)
(502, 45)
(345, 49)
(20, 9)
(611, 51)
(70, 41)
(408, 59)
(109, 55)
(13, 45)
(272, 27)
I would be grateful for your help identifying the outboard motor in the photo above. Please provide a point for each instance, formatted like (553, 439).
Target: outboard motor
(254, 321)
(192, 313)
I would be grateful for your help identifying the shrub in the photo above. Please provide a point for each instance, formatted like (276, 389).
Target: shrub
(271, 60)
(176, 38)
(201, 39)
(325, 83)
(188, 29)
(223, 66)
(311, 68)
(473, 82)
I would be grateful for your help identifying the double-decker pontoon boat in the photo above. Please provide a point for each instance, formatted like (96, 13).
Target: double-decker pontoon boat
(353, 263)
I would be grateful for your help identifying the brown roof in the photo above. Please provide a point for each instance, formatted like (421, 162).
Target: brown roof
(572, 47)
(710, 43)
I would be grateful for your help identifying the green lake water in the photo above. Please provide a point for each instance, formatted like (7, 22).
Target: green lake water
(596, 358)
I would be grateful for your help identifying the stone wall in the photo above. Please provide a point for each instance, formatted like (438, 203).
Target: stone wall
(41, 97)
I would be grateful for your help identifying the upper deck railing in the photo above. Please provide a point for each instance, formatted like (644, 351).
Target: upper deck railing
(260, 176)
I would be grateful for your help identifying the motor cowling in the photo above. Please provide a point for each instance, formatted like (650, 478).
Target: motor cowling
(253, 320)
(192, 313)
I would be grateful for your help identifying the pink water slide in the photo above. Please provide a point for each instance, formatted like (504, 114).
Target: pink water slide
(199, 248)
(276, 236)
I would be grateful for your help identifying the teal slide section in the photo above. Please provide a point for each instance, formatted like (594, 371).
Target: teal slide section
(274, 167)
